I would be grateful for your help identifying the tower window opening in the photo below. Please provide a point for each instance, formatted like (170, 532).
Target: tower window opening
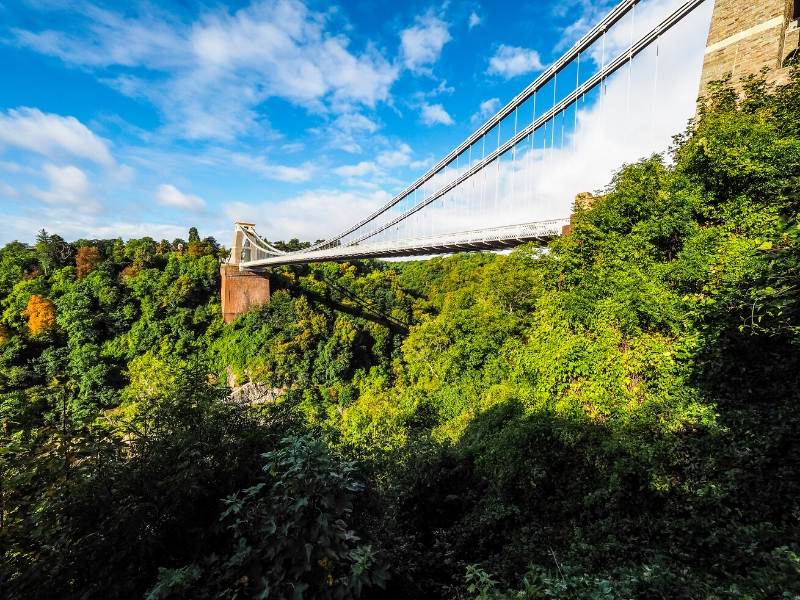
(796, 9)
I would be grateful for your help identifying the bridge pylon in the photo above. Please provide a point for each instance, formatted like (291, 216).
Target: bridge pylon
(747, 36)
(241, 288)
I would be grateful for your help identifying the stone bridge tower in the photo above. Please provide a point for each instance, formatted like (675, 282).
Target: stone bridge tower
(241, 289)
(748, 35)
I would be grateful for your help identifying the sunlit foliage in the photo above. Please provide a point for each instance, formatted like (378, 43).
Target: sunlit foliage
(41, 314)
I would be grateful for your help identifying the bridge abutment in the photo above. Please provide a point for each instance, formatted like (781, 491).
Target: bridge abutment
(241, 291)
(749, 35)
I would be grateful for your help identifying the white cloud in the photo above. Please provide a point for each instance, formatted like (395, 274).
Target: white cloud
(68, 185)
(169, 195)
(224, 65)
(125, 230)
(289, 174)
(355, 122)
(259, 164)
(422, 164)
(293, 147)
(443, 88)
(433, 114)
(357, 170)
(223, 160)
(10, 166)
(72, 225)
(378, 171)
(421, 44)
(52, 135)
(348, 132)
(511, 61)
(147, 40)
(474, 20)
(486, 109)
(619, 37)
(398, 157)
(312, 215)
(123, 174)
(588, 13)
(7, 190)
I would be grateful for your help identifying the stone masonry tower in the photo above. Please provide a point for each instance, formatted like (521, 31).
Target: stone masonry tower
(748, 35)
(241, 289)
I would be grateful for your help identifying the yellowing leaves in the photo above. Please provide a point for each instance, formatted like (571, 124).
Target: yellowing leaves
(86, 260)
(41, 314)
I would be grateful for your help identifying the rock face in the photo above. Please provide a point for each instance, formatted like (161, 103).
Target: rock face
(254, 393)
(250, 392)
(241, 290)
(749, 35)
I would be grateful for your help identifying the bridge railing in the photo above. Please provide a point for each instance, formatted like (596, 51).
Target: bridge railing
(477, 239)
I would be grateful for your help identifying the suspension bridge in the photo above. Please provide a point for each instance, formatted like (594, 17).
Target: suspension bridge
(513, 179)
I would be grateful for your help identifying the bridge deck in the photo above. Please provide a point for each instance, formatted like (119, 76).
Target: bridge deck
(496, 238)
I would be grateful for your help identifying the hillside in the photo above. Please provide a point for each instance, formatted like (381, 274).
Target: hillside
(613, 417)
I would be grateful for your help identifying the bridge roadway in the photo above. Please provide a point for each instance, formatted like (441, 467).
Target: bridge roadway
(496, 238)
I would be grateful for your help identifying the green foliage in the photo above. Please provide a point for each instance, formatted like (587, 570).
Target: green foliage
(286, 537)
(154, 478)
(51, 251)
(778, 578)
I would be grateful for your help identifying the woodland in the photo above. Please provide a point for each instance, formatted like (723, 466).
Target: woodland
(616, 415)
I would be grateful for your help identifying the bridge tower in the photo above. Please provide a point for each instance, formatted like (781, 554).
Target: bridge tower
(748, 35)
(241, 289)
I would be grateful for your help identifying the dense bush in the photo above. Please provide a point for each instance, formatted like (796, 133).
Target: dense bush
(285, 537)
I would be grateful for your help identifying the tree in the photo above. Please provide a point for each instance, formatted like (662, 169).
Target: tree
(51, 251)
(43, 250)
(194, 236)
(141, 251)
(211, 242)
(16, 260)
(87, 259)
(292, 245)
(163, 247)
(41, 314)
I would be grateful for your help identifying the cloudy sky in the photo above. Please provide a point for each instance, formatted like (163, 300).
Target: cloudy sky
(141, 118)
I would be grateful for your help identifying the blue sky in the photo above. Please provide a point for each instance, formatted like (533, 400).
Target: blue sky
(131, 119)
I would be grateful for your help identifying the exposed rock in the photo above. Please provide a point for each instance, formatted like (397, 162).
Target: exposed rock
(254, 393)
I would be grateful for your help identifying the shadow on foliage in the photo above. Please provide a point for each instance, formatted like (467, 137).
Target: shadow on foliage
(673, 515)
(359, 306)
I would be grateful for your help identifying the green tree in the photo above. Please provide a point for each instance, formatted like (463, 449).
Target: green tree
(51, 251)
